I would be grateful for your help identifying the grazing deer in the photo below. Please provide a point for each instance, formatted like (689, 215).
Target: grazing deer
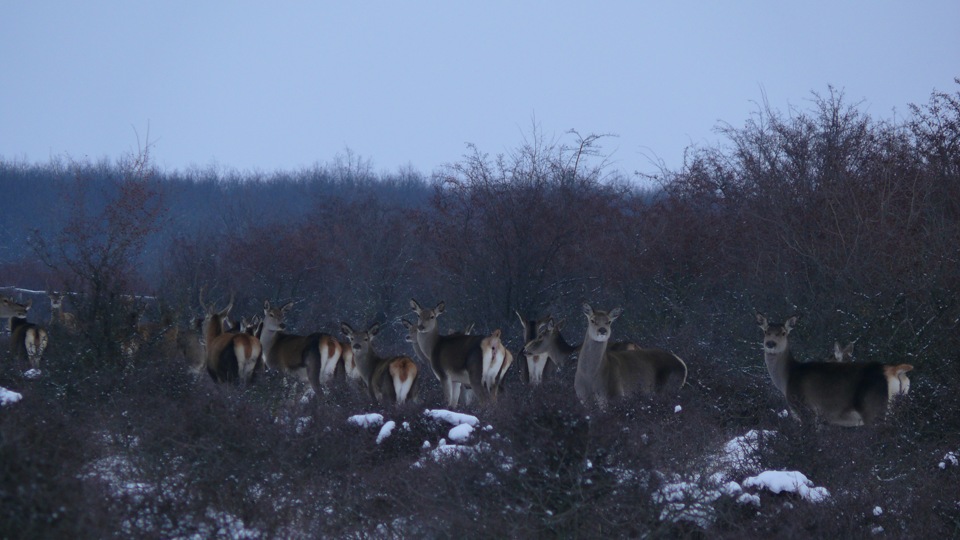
(604, 374)
(388, 380)
(231, 356)
(843, 394)
(27, 340)
(60, 317)
(456, 359)
(547, 344)
(842, 354)
(314, 356)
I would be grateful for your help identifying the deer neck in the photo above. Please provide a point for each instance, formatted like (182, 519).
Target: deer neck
(428, 341)
(590, 360)
(366, 361)
(560, 350)
(268, 338)
(778, 366)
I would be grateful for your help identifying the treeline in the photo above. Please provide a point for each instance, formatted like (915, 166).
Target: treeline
(850, 221)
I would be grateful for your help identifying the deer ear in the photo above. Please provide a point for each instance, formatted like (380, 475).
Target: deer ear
(374, 328)
(345, 329)
(286, 307)
(266, 305)
(406, 324)
(615, 313)
(414, 305)
(440, 307)
(587, 310)
(762, 321)
(791, 322)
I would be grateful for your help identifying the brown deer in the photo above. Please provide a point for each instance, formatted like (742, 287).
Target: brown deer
(497, 359)
(59, 317)
(231, 356)
(843, 394)
(388, 380)
(539, 365)
(313, 356)
(456, 360)
(27, 340)
(604, 374)
(547, 345)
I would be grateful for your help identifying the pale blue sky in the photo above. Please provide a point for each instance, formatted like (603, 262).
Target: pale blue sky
(282, 85)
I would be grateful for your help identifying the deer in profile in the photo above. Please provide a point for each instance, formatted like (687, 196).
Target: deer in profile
(231, 356)
(456, 360)
(59, 317)
(843, 394)
(27, 340)
(314, 356)
(388, 379)
(546, 345)
(604, 374)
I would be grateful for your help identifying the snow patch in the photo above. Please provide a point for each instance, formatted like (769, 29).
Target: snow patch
(366, 420)
(951, 459)
(452, 418)
(749, 498)
(677, 409)
(385, 431)
(460, 433)
(789, 481)
(9, 396)
(32, 373)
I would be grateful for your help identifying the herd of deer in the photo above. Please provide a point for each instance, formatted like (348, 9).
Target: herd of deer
(837, 391)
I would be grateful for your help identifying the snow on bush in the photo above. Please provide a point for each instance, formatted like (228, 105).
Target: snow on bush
(9, 396)
(385, 431)
(452, 418)
(366, 420)
(951, 459)
(788, 481)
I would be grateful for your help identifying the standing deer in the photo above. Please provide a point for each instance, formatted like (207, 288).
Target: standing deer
(314, 356)
(537, 365)
(843, 394)
(547, 344)
(497, 359)
(604, 374)
(27, 340)
(231, 356)
(388, 380)
(60, 317)
(456, 359)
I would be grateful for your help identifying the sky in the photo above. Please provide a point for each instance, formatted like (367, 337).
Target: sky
(279, 86)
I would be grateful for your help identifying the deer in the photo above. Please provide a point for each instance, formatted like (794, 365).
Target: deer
(456, 360)
(842, 354)
(314, 356)
(27, 340)
(604, 374)
(546, 345)
(231, 356)
(842, 394)
(59, 317)
(496, 361)
(388, 380)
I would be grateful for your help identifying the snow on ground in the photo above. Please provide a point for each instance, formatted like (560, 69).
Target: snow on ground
(9, 396)
(452, 418)
(385, 431)
(32, 374)
(366, 420)
(951, 459)
(788, 481)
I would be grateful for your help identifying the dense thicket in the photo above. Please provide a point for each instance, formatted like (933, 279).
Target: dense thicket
(851, 222)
